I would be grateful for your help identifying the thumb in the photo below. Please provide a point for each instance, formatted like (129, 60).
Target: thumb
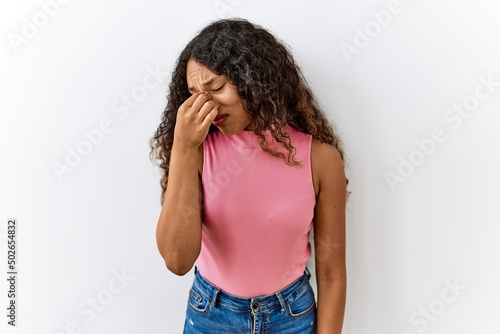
(210, 117)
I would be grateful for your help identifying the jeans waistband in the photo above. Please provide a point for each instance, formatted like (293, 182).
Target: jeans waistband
(219, 297)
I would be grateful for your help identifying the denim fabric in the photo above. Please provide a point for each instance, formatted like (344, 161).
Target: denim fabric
(212, 310)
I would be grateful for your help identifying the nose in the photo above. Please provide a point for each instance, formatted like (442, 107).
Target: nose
(213, 99)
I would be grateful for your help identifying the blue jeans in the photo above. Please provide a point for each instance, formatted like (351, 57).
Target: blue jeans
(212, 310)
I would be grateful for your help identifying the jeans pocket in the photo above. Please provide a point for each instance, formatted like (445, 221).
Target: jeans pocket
(198, 302)
(303, 304)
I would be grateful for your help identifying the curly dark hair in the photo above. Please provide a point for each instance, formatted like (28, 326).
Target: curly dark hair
(271, 85)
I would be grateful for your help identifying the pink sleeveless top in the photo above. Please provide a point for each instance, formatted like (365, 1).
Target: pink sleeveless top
(257, 213)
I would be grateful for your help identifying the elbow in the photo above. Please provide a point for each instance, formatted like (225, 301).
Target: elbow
(175, 262)
(179, 269)
(179, 263)
(179, 259)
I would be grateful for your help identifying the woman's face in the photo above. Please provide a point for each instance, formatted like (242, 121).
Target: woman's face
(231, 118)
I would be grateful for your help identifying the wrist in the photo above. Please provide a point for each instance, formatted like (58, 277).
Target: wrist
(184, 148)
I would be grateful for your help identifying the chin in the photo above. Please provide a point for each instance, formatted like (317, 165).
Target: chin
(229, 129)
(227, 132)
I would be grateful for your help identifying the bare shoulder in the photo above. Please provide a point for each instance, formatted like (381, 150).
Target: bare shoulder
(325, 153)
(327, 165)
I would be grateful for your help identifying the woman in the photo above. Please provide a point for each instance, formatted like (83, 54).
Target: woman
(250, 163)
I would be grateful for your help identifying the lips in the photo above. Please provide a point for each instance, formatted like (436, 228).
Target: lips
(220, 119)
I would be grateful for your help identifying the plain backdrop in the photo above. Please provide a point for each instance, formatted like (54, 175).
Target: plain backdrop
(422, 220)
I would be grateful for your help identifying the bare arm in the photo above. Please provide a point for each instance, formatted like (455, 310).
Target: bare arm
(178, 233)
(329, 239)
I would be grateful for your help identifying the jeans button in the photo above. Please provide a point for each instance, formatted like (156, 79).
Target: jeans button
(255, 306)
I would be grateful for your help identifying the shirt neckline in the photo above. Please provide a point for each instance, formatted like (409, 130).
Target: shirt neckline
(248, 139)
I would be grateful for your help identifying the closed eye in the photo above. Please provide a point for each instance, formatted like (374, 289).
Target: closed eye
(218, 89)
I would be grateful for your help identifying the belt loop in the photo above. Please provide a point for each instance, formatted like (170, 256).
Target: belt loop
(213, 302)
(195, 270)
(308, 273)
(281, 300)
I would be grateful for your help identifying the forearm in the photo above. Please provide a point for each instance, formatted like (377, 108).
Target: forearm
(331, 306)
(179, 226)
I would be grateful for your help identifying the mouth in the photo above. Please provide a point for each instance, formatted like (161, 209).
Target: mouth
(220, 119)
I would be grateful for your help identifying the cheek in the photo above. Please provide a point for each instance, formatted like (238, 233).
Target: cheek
(232, 96)
(228, 100)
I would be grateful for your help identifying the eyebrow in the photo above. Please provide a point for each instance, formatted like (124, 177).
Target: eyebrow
(206, 83)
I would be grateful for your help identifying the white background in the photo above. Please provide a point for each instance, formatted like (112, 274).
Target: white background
(75, 232)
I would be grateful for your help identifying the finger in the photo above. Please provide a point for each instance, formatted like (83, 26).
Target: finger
(200, 101)
(190, 100)
(209, 118)
(205, 110)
